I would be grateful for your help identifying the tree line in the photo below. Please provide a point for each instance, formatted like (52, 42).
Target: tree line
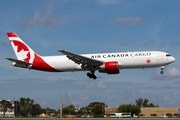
(97, 109)
(135, 108)
(27, 107)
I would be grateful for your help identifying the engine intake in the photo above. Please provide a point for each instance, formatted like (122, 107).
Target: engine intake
(110, 67)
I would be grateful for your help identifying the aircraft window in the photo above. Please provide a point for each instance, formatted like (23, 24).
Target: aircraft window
(167, 55)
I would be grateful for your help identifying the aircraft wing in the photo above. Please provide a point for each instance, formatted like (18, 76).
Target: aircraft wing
(79, 59)
(18, 61)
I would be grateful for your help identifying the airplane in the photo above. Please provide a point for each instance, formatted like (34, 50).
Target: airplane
(109, 63)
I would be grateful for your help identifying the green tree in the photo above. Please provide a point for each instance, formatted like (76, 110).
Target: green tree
(69, 110)
(36, 109)
(84, 110)
(151, 105)
(65, 111)
(87, 110)
(43, 111)
(153, 115)
(176, 114)
(81, 112)
(48, 111)
(93, 104)
(142, 102)
(26, 105)
(5, 105)
(169, 115)
(142, 115)
(97, 110)
(135, 110)
(129, 108)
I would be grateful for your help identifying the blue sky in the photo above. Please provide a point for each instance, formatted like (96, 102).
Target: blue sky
(91, 26)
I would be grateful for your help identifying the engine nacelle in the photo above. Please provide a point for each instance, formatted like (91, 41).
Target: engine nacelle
(110, 67)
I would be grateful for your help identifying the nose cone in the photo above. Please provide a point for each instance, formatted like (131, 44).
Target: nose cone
(172, 59)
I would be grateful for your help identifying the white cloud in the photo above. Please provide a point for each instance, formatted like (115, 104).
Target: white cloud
(129, 93)
(169, 73)
(154, 43)
(71, 22)
(42, 103)
(172, 98)
(65, 81)
(175, 43)
(84, 97)
(130, 21)
(105, 2)
(98, 86)
(83, 21)
(77, 103)
(123, 43)
(49, 19)
(150, 43)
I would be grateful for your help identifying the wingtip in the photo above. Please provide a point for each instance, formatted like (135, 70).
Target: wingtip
(7, 58)
(61, 50)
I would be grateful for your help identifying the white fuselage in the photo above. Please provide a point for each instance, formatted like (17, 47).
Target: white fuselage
(109, 63)
(126, 60)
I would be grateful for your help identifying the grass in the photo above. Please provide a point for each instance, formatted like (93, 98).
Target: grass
(90, 118)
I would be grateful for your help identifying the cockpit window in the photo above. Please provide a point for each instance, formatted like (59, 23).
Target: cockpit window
(167, 55)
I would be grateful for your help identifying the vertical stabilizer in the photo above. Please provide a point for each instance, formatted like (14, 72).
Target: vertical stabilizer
(27, 58)
(23, 52)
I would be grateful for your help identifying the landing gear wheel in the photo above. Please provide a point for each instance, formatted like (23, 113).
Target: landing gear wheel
(91, 75)
(88, 74)
(162, 68)
(94, 77)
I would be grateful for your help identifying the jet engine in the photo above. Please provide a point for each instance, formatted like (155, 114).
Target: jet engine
(110, 67)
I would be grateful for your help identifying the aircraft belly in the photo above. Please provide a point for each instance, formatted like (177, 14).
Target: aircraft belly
(67, 66)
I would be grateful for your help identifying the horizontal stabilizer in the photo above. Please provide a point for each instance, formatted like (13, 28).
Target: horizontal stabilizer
(18, 61)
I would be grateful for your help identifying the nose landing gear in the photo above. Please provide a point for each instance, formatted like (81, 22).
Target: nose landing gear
(91, 75)
(162, 68)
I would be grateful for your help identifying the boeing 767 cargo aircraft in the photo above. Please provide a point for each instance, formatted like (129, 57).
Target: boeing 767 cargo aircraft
(109, 63)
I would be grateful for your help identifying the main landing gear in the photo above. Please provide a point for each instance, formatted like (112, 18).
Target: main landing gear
(91, 75)
(162, 68)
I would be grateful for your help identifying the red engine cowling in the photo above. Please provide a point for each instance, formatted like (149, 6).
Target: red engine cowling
(111, 67)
